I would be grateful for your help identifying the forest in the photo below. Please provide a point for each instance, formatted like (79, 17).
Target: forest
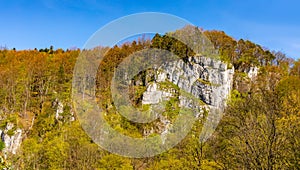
(259, 130)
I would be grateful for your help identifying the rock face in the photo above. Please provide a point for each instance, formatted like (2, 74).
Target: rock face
(204, 78)
(12, 138)
(252, 72)
(153, 95)
(59, 110)
(58, 104)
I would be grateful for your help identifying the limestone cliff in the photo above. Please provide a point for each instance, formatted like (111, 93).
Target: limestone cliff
(204, 78)
(12, 138)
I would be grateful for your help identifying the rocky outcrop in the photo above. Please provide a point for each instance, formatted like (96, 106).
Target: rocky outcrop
(244, 80)
(252, 72)
(204, 78)
(60, 110)
(153, 95)
(12, 138)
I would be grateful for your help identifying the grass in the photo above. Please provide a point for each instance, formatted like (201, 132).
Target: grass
(205, 82)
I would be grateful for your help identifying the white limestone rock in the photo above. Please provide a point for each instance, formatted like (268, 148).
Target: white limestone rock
(252, 72)
(12, 140)
(204, 78)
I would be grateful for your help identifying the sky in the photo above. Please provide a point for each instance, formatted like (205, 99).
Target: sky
(29, 24)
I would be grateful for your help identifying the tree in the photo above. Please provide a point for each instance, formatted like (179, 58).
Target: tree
(254, 133)
(224, 43)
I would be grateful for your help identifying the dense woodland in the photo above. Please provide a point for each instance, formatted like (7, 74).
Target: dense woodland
(260, 128)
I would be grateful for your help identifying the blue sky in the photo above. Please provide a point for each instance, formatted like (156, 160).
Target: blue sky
(65, 24)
